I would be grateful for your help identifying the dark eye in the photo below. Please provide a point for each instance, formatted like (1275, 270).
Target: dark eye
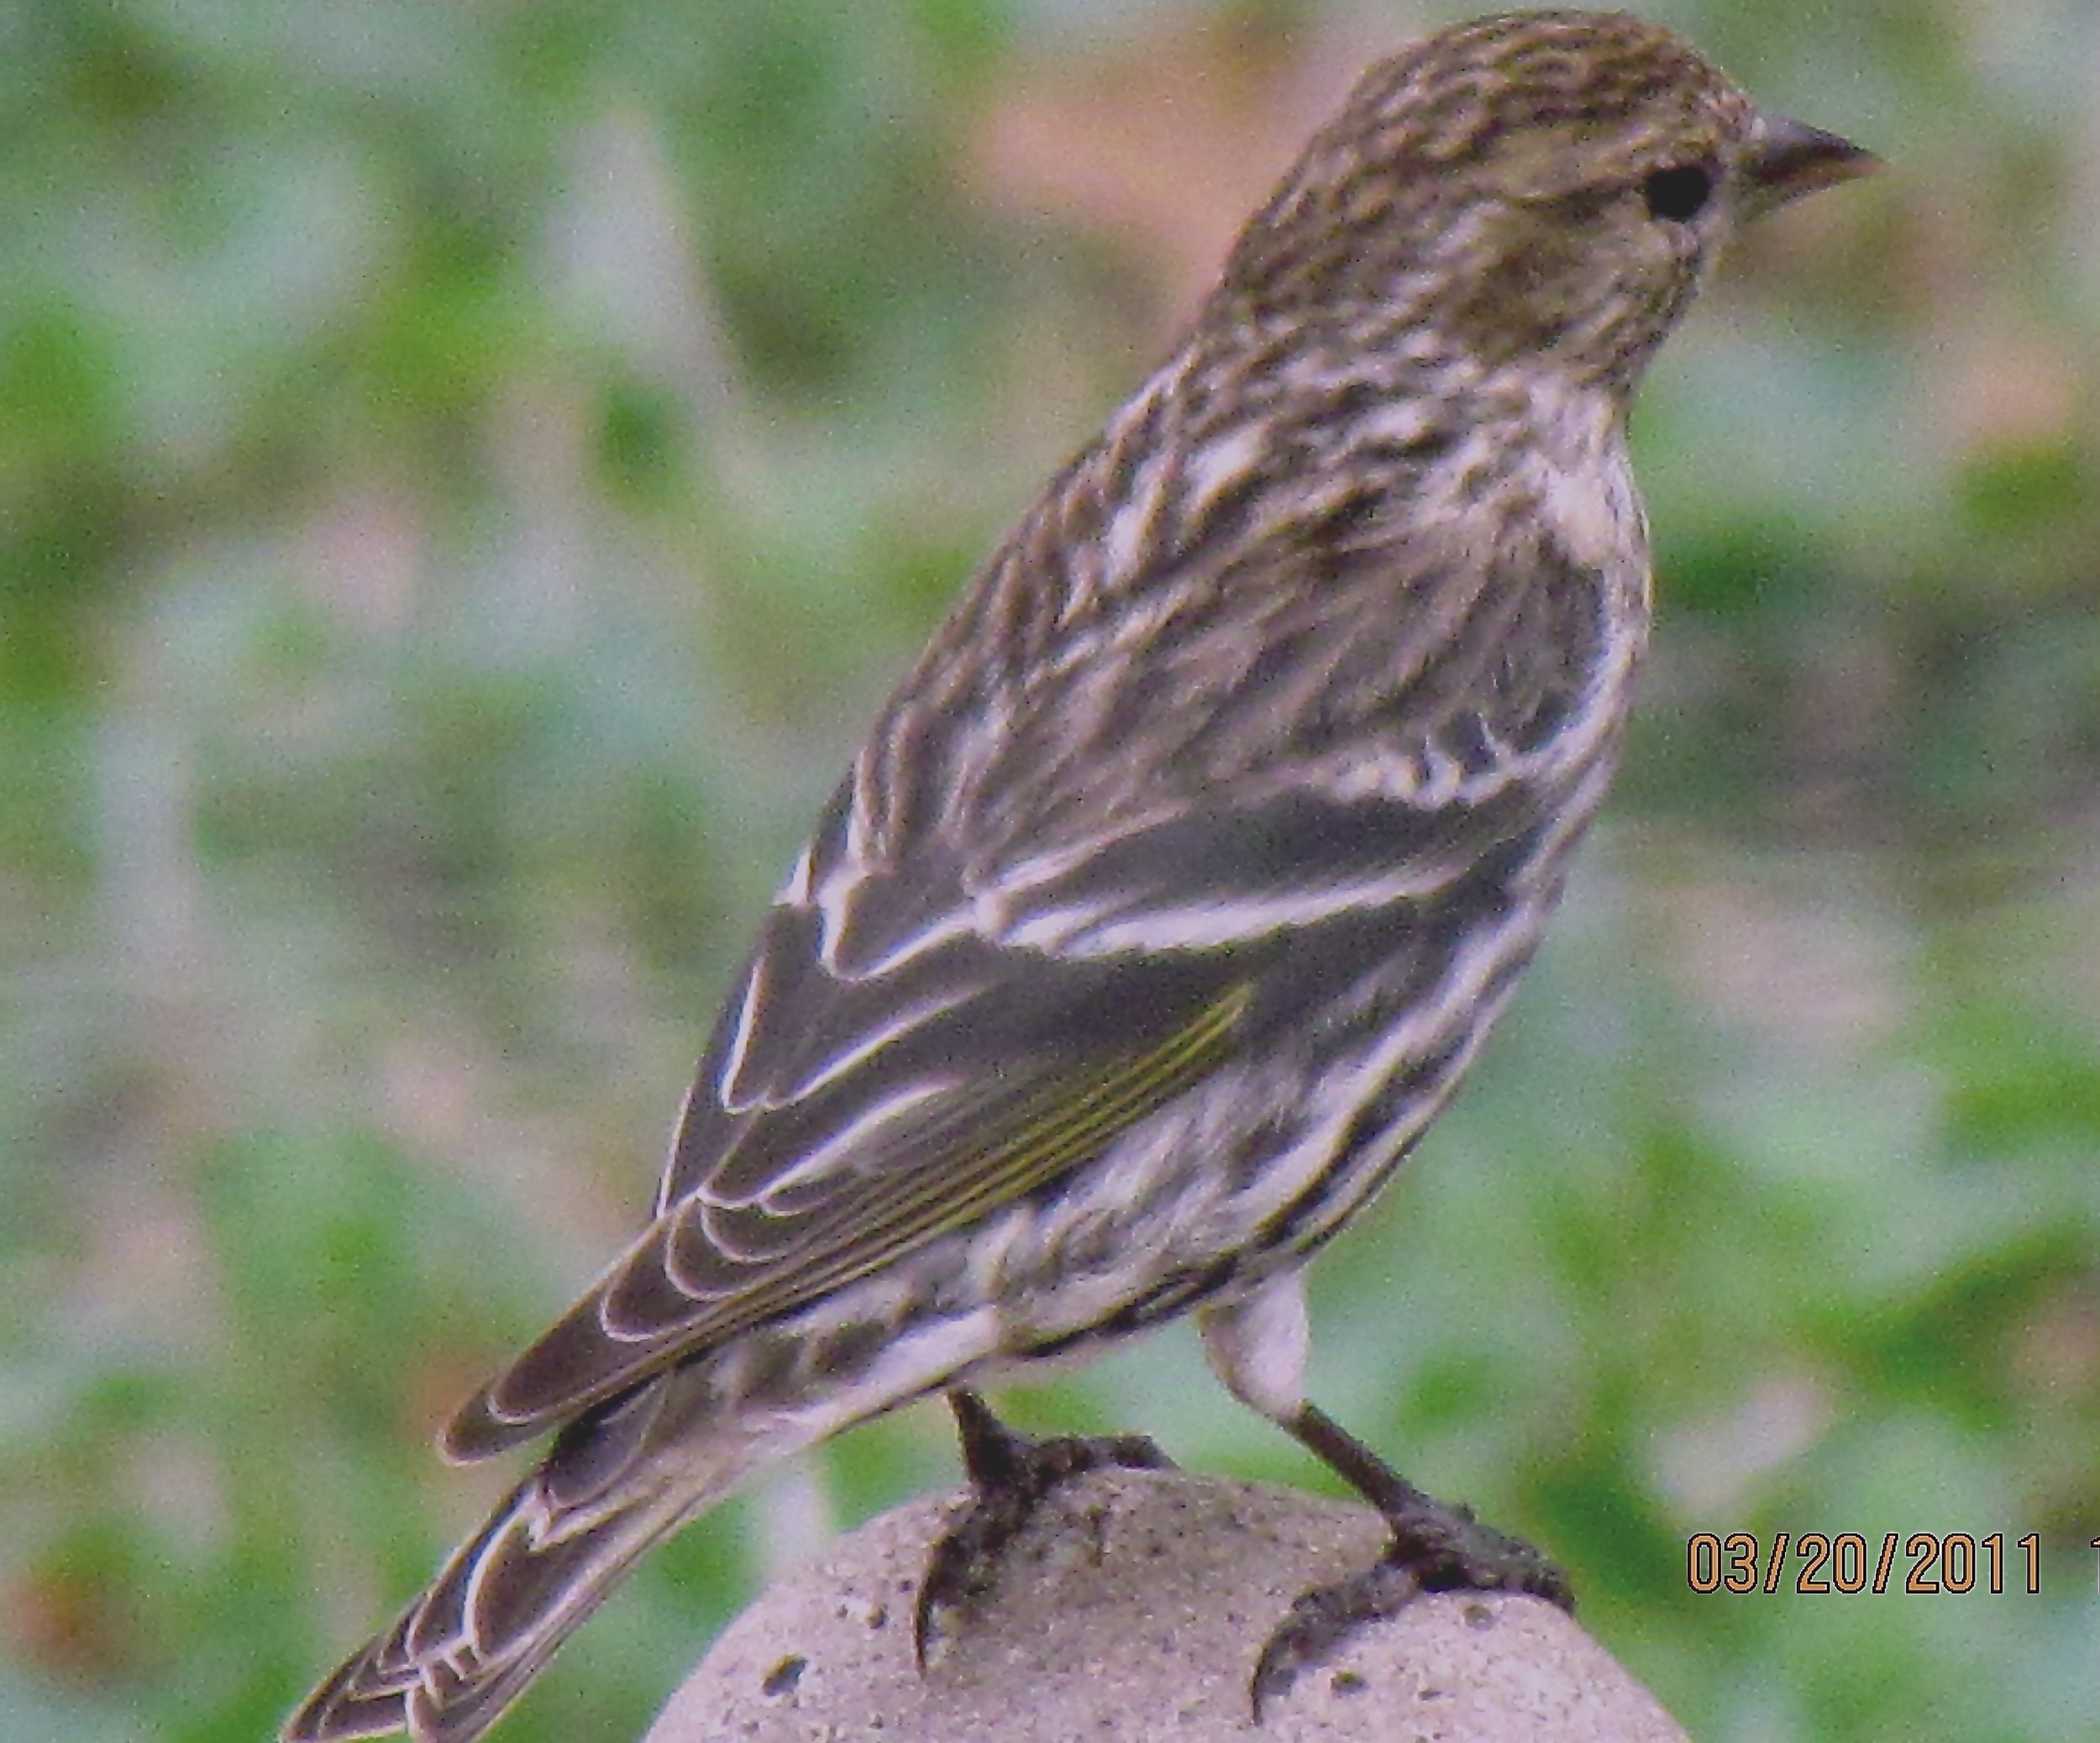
(1679, 194)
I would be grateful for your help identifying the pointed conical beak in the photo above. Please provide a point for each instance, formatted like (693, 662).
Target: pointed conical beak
(1787, 159)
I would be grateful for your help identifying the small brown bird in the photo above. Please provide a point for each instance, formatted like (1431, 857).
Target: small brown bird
(1175, 890)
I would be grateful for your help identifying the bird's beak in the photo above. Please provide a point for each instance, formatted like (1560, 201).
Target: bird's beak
(1788, 158)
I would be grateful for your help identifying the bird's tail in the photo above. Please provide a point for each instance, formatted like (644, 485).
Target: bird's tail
(548, 1556)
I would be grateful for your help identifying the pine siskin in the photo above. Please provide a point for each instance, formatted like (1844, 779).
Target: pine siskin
(1173, 891)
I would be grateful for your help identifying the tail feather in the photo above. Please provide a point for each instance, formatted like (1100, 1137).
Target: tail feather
(627, 1474)
(465, 1649)
(549, 1554)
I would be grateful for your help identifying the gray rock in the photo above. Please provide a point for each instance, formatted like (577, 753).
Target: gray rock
(1134, 1607)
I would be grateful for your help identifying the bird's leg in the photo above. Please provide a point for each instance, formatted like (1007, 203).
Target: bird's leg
(1437, 1547)
(1010, 1474)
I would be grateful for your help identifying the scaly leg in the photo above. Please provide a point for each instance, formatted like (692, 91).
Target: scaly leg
(1436, 1547)
(1011, 1473)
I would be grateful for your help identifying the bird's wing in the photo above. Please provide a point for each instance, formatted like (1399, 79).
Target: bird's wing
(908, 1054)
(981, 972)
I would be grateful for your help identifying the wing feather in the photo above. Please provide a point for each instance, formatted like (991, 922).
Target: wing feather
(705, 1271)
(965, 991)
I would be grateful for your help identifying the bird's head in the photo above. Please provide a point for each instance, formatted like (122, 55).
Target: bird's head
(1549, 186)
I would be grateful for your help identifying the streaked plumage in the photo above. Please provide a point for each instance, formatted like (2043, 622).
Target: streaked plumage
(1172, 894)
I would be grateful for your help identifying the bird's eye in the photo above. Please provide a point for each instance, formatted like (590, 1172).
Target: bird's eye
(1679, 194)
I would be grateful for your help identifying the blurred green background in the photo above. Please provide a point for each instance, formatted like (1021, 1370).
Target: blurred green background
(467, 473)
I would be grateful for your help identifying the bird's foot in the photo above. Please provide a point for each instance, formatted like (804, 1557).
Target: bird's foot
(1010, 1475)
(1437, 1546)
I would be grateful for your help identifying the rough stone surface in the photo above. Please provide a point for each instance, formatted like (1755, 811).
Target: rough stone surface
(1134, 1607)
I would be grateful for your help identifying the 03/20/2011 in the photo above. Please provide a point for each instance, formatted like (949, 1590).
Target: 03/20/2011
(1924, 1564)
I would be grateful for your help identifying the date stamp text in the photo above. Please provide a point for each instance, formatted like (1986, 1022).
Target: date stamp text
(1813, 1563)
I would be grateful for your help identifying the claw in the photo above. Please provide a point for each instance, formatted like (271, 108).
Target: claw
(1434, 1548)
(1010, 1476)
(1437, 1546)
